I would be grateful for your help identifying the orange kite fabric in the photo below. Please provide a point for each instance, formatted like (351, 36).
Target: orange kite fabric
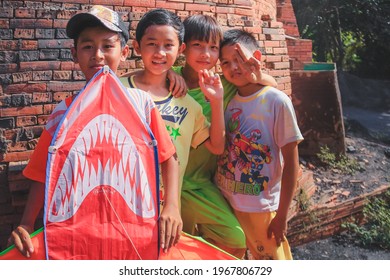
(188, 248)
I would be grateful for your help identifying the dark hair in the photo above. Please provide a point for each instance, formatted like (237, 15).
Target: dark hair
(159, 17)
(234, 36)
(202, 28)
(98, 24)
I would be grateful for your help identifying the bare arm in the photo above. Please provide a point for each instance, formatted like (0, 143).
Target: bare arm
(278, 225)
(171, 223)
(213, 90)
(21, 235)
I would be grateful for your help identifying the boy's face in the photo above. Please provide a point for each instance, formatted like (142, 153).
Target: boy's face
(159, 48)
(96, 47)
(230, 66)
(201, 55)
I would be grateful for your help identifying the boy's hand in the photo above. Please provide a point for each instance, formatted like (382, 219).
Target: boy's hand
(211, 85)
(177, 84)
(171, 226)
(278, 229)
(250, 66)
(20, 237)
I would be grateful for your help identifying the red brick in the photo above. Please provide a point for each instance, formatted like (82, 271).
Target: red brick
(59, 96)
(197, 7)
(42, 119)
(24, 13)
(43, 97)
(28, 45)
(26, 121)
(16, 156)
(27, 88)
(143, 3)
(170, 5)
(40, 65)
(243, 12)
(21, 111)
(64, 86)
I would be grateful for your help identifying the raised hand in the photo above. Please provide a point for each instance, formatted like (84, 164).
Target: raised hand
(250, 66)
(211, 85)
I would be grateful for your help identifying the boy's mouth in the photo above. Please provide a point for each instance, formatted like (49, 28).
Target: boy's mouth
(159, 62)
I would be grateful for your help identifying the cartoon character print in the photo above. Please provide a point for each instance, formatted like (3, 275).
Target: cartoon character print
(245, 157)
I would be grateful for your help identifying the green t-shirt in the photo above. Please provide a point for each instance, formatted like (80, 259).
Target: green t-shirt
(201, 163)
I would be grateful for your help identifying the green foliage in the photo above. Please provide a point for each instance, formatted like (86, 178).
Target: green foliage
(303, 200)
(355, 34)
(341, 162)
(377, 230)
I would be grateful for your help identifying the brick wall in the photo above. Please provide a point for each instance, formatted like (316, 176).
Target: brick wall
(299, 50)
(36, 70)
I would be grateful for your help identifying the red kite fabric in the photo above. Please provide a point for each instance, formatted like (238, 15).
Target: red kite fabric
(101, 185)
(188, 248)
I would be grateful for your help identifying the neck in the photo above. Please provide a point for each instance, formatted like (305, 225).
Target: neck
(249, 89)
(190, 76)
(155, 85)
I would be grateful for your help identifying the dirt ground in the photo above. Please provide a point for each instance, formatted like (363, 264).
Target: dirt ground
(367, 127)
(374, 160)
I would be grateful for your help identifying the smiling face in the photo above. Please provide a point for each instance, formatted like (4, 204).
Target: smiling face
(230, 66)
(201, 55)
(159, 48)
(96, 47)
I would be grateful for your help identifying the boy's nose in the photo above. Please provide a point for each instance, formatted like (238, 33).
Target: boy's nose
(160, 51)
(98, 54)
(206, 52)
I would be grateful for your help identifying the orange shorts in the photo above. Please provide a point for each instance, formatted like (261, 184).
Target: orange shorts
(255, 227)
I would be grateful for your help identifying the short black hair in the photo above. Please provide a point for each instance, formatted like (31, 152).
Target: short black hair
(159, 17)
(234, 36)
(202, 28)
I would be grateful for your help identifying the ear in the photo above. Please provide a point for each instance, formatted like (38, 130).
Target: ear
(181, 48)
(125, 53)
(136, 47)
(257, 54)
(74, 54)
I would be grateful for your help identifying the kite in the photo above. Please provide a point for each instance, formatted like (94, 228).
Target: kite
(102, 183)
(189, 248)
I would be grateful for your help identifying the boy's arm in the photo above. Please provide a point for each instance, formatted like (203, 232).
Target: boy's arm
(177, 84)
(212, 88)
(278, 226)
(21, 235)
(171, 223)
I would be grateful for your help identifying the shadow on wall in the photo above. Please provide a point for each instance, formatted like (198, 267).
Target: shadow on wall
(316, 98)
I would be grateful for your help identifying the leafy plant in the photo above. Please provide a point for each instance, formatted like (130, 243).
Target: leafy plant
(376, 232)
(341, 162)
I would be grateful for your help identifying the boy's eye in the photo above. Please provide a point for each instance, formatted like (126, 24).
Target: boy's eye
(214, 47)
(86, 47)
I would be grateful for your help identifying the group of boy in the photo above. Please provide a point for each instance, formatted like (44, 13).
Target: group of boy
(231, 172)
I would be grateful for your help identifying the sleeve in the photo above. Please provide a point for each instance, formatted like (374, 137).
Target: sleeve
(286, 125)
(164, 143)
(36, 167)
(201, 127)
(229, 91)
